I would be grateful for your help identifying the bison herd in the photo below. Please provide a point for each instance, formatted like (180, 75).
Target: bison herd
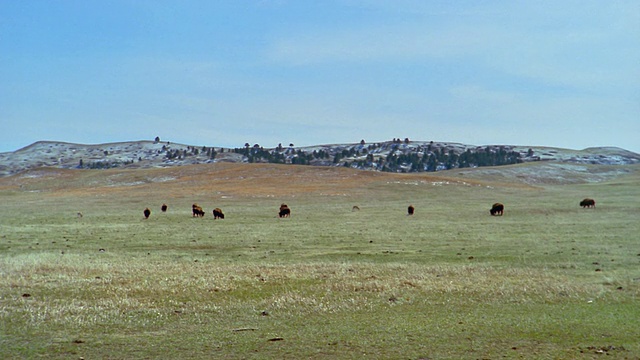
(497, 209)
(197, 211)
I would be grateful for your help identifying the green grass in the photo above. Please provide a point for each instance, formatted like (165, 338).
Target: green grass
(546, 280)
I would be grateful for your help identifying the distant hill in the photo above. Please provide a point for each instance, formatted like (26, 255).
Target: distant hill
(390, 156)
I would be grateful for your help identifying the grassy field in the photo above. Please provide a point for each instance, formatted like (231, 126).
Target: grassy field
(548, 280)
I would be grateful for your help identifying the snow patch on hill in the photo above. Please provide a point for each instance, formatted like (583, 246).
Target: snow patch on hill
(148, 154)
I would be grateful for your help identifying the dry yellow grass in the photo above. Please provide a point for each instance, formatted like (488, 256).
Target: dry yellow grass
(235, 179)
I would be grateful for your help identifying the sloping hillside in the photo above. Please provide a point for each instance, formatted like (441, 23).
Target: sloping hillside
(390, 156)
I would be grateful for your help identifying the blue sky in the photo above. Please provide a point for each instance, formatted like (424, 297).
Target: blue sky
(223, 73)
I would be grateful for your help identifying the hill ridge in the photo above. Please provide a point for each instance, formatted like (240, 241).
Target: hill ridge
(392, 156)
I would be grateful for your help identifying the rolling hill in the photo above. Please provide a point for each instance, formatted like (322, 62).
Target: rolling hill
(389, 156)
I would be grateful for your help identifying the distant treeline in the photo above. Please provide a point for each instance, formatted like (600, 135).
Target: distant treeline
(394, 157)
(209, 152)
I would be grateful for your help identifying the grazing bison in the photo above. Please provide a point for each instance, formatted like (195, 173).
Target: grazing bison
(197, 210)
(147, 213)
(497, 209)
(163, 208)
(410, 210)
(355, 208)
(284, 211)
(217, 214)
(588, 203)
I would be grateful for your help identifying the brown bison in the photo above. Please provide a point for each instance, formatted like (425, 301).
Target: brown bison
(164, 207)
(410, 210)
(146, 213)
(197, 210)
(284, 211)
(497, 209)
(588, 203)
(217, 214)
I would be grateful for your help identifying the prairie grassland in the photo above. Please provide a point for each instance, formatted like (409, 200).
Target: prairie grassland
(546, 280)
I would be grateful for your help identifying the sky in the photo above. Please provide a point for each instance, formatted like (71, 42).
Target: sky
(224, 73)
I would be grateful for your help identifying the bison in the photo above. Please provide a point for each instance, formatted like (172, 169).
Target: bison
(164, 208)
(588, 203)
(497, 209)
(355, 208)
(217, 214)
(146, 213)
(284, 211)
(197, 210)
(410, 210)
